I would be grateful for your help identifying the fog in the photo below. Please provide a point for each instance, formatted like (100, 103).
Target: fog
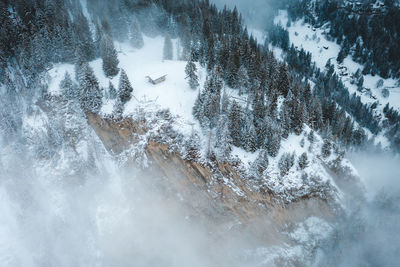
(379, 172)
(116, 215)
(124, 216)
(256, 13)
(111, 216)
(369, 235)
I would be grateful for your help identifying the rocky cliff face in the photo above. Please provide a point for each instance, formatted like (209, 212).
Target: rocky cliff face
(215, 190)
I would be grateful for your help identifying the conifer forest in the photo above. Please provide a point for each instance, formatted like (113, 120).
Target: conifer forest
(199, 133)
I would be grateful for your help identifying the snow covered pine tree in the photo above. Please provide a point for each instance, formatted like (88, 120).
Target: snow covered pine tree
(109, 56)
(190, 71)
(90, 91)
(124, 88)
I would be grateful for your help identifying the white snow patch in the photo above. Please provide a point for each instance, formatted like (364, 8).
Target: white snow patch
(313, 40)
(35, 122)
(57, 74)
(173, 94)
(382, 140)
(257, 34)
(234, 187)
(246, 157)
(305, 237)
(311, 230)
(108, 107)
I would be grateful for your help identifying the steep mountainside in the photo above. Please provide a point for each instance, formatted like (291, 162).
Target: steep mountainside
(162, 133)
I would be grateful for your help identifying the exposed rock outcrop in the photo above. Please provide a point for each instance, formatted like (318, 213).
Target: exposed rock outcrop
(216, 190)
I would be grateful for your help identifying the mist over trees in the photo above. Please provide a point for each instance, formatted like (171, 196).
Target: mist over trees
(218, 40)
(167, 52)
(135, 34)
(109, 56)
(248, 100)
(370, 35)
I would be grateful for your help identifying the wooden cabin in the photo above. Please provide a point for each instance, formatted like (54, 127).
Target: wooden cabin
(158, 80)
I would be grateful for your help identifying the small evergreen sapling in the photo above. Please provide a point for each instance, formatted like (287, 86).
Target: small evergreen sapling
(112, 92)
(191, 74)
(124, 88)
(192, 146)
(68, 88)
(250, 136)
(385, 92)
(326, 148)
(109, 56)
(272, 142)
(118, 108)
(223, 140)
(212, 97)
(198, 110)
(236, 123)
(303, 161)
(91, 95)
(260, 164)
(285, 163)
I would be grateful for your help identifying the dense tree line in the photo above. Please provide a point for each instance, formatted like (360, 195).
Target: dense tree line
(218, 40)
(234, 58)
(370, 35)
(37, 33)
(328, 83)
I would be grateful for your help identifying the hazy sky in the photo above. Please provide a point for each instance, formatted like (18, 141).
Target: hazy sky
(255, 12)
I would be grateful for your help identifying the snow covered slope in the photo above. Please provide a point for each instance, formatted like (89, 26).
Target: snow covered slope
(315, 41)
(166, 196)
(116, 203)
(175, 95)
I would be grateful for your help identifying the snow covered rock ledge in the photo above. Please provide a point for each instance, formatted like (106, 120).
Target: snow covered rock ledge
(152, 143)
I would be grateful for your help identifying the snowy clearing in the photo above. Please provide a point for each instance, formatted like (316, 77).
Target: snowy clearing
(313, 40)
(175, 95)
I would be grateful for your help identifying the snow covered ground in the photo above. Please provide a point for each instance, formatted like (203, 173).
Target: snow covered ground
(115, 216)
(175, 94)
(313, 40)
